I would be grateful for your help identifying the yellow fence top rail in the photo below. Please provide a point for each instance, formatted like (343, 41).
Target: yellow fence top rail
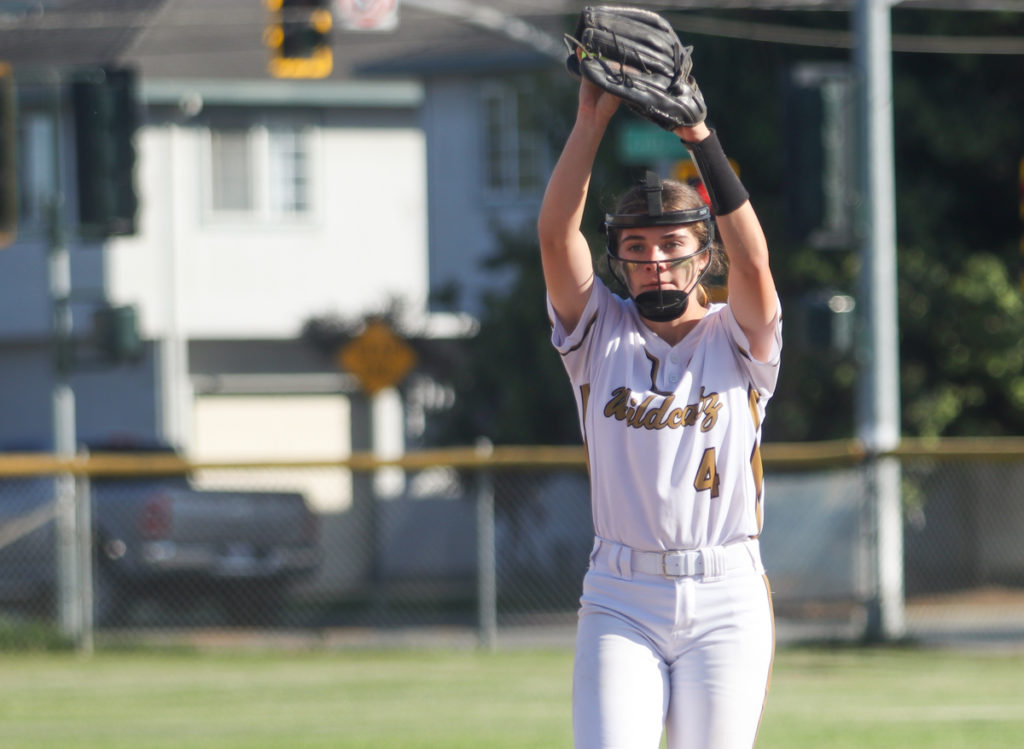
(789, 454)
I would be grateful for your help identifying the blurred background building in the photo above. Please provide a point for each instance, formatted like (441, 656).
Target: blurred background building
(252, 203)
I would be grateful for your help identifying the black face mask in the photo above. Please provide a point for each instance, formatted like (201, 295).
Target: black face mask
(662, 305)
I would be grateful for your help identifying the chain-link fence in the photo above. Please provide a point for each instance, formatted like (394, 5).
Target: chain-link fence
(480, 544)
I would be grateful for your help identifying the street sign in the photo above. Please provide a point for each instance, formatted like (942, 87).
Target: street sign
(367, 15)
(377, 357)
(640, 142)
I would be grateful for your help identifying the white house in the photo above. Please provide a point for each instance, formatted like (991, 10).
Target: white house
(270, 214)
(257, 214)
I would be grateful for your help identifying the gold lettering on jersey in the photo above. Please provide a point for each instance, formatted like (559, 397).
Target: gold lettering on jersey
(647, 414)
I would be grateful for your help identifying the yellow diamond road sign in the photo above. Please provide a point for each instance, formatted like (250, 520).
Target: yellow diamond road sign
(377, 357)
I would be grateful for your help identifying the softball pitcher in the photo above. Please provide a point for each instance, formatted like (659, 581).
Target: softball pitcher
(675, 630)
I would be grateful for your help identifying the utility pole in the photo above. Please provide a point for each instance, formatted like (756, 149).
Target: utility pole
(73, 521)
(879, 404)
(64, 438)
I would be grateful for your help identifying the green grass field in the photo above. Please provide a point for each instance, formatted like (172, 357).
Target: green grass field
(438, 699)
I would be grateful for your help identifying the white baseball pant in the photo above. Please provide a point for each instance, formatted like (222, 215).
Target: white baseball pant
(690, 653)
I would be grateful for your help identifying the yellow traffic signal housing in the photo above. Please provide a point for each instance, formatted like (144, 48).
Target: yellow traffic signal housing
(299, 37)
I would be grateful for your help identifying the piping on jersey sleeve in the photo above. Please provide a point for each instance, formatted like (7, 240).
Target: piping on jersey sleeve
(756, 464)
(584, 399)
(753, 398)
(743, 345)
(583, 336)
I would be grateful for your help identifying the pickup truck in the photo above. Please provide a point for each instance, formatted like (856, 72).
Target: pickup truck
(159, 537)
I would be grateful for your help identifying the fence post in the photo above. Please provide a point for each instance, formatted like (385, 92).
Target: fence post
(486, 585)
(68, 577)
(886, 607)
(67, 536)
(83, 508)
(364, 502)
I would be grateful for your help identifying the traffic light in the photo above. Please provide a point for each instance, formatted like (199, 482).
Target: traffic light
(116, 333)
(8, 158)
(299, 37)
(106, 118)
(821, 149)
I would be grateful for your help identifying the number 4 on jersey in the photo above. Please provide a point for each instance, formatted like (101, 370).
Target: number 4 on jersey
(707, 474)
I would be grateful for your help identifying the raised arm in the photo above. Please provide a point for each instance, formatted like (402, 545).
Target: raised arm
(565, 256)
(752, 294)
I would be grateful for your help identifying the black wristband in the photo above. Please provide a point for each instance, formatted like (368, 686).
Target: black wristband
(724, 187)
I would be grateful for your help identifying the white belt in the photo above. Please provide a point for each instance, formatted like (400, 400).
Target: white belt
(711, 561)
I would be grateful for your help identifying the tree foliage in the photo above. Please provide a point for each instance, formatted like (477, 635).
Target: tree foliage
(514, 389)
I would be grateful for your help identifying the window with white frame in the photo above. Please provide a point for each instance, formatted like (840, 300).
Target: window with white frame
(514, 147)
(231, 165)
(260, 170)
(288, 171)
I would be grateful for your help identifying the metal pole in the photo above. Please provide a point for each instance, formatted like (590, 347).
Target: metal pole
(73, 511)
(83, 506)
(487, 588)
(879, 405)
(68, 574)
(63, 398)
(364, 502)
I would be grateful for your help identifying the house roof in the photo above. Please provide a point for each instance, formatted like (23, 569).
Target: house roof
(70, 32)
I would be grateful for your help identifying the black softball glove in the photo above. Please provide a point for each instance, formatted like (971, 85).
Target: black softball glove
(636, 55)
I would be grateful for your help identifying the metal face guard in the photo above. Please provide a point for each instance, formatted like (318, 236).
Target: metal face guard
(660, 304)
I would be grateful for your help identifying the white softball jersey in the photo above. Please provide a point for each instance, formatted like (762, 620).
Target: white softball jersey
(672, 433)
